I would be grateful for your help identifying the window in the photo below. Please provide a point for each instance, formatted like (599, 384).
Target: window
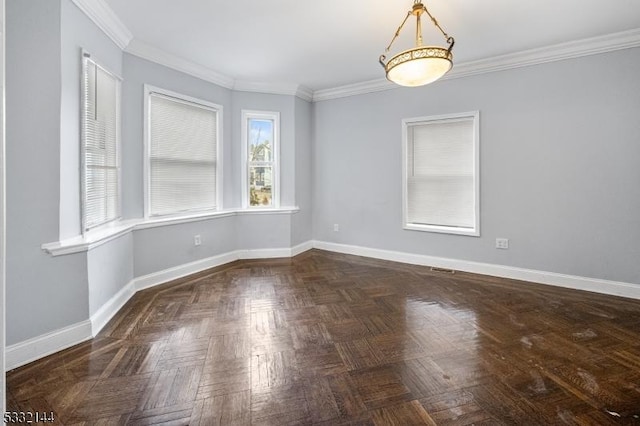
(100, 141)
(441, 177)
(182, 151)
(260, 135)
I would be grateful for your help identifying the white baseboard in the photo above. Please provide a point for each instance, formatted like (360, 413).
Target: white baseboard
(46, 344)
(301, 248)
(30, 350)
(160, 277)
(614, 288)
(264, 253)
(103, 315)
(38, 347)
(275, 253)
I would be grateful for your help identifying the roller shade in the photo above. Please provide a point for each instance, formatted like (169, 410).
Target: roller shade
(440, 173)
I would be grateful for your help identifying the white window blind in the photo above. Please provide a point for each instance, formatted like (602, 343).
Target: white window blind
(182, 155)
(441, 174)
(101, 122)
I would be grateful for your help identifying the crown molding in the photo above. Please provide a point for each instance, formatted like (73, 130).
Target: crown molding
(105, 18)
(305, 93)
(362, 88)
(274, 88)
(159, 56)
(558, 52)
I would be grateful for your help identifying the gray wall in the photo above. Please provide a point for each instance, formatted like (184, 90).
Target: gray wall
(266, 102)
(109, 269)
(263, 231)
(77, 32)
(157, 249)
(559, 149)
(42, 293)
(137, 73)
(44, 43)
(301, 223)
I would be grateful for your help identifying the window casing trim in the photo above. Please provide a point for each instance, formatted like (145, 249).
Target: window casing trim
(406, 124)
(178, 97)
(266, 115)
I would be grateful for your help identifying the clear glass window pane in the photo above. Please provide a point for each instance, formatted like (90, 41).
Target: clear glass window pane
(261, 135)
(260, 185)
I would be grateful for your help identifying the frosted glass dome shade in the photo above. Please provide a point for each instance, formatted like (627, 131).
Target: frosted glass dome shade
(419, 66)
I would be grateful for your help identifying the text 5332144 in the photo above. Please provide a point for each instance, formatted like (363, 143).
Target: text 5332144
(28, 417)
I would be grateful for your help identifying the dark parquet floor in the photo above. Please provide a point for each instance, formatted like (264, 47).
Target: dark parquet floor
(332, 339)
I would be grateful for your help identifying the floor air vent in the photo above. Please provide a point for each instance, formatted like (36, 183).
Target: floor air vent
(448, 271)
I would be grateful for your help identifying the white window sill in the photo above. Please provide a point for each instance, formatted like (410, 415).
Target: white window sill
(89, 240)
(154, 222)
(105, 234)
(256, 210)
(472, 232)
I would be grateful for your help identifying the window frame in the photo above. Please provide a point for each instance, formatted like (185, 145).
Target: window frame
(247, 115)
(456, 230)
(179, 97)
(85, 57)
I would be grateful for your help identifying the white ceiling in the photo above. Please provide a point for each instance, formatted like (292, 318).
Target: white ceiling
(337, 42)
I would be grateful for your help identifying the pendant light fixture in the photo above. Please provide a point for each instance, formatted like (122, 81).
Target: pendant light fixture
(419, 65)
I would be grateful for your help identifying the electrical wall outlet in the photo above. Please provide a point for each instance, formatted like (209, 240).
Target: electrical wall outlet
(336, 227)
(502, 243)
(197, 240)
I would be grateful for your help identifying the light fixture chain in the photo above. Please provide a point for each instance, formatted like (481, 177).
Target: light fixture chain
(435, 22)
(398, 32)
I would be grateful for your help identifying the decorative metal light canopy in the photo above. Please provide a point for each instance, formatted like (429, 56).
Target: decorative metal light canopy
(422, 64)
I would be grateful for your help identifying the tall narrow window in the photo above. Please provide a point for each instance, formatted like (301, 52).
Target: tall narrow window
(182, 150)
(260, 132)
(441, 176)
(100, 140)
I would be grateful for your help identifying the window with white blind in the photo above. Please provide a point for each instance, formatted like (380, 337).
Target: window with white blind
(182, 151)
(441, 174)
(260, 151)
(100, 145)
